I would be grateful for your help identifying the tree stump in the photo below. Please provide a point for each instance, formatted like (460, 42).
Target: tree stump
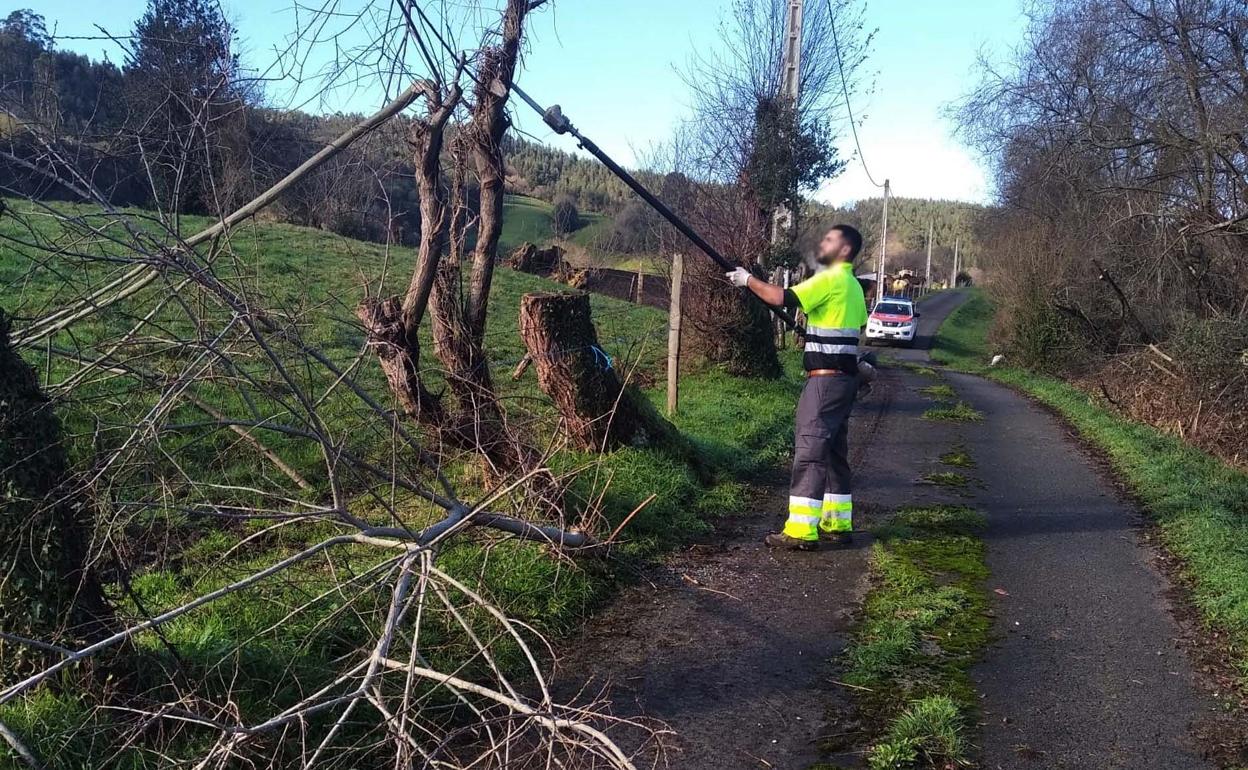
(580, 378)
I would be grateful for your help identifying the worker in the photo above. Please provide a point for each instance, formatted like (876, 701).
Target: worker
(820, 499)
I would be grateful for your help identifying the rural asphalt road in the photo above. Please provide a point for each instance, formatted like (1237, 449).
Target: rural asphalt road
(732, 647)
(1089, 670)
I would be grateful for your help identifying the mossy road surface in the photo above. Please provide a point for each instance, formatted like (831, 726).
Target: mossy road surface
(730, 645)
(1089, 670)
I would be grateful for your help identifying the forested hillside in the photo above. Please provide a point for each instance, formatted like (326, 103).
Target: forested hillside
(952, 223)
(547, 172)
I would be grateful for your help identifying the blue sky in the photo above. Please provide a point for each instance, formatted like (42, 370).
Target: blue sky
(612, 66)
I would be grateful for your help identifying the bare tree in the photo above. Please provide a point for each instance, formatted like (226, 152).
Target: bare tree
(1118, 135)
(755, 152)
(339, 529)
(457, 303)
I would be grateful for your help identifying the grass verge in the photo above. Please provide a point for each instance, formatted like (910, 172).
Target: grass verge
(1197, 501)
(924, 623)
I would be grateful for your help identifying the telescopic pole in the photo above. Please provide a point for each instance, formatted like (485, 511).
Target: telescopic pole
(560, 124)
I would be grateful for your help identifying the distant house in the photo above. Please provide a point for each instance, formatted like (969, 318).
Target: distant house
(904, 281)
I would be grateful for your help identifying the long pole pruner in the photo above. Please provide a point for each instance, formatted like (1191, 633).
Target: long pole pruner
(559, 123)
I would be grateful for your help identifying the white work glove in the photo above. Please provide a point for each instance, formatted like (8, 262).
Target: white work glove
(738, 277)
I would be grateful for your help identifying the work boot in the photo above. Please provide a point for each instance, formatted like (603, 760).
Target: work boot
(837, 539)
(781, 540)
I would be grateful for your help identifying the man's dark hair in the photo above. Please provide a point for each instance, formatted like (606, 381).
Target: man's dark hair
(854, 237)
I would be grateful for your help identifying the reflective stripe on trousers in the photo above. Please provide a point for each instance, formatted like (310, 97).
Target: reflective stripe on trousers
(835, 513)
(819, 493)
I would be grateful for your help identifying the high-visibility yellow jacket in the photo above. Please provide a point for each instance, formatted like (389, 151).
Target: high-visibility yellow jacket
(836, 311)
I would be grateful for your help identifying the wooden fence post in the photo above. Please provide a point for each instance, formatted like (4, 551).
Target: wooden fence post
(673, 336)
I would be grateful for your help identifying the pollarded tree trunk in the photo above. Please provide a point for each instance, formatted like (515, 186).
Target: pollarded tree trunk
(726, 326)
(479, 421)
(393, 324)
(48, 591)
(398, 352)
(579, 376)
(459, 311)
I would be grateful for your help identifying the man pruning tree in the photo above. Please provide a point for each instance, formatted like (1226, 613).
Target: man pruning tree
(836, 311)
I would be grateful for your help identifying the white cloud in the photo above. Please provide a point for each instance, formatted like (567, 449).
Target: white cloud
(917, 164)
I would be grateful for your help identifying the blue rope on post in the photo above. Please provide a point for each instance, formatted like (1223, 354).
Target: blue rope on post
(600, 353)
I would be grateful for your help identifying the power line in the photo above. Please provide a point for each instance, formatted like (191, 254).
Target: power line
(840, 64)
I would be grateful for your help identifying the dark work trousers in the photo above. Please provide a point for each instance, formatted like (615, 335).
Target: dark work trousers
(819, 492)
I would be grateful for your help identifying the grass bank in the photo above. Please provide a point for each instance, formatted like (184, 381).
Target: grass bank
(1198, 502)
(924, 623)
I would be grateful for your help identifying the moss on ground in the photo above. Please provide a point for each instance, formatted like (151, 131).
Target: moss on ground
(940, 392)
(920, 369)
(923, 625)
(946, 479)
(958, 458)
(959, 412)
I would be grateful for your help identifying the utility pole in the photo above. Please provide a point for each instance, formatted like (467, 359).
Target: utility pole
(793, 52)
(927, 274)
(790, 91)
(879, 265)
(673, 335)
(957, 242)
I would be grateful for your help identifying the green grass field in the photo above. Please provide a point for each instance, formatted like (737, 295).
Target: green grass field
(1197, 501)
(313, 280)
(530, 220)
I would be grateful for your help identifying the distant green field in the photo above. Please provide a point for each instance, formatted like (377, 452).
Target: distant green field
(525, 219)
(595, 227)
(529, 220)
